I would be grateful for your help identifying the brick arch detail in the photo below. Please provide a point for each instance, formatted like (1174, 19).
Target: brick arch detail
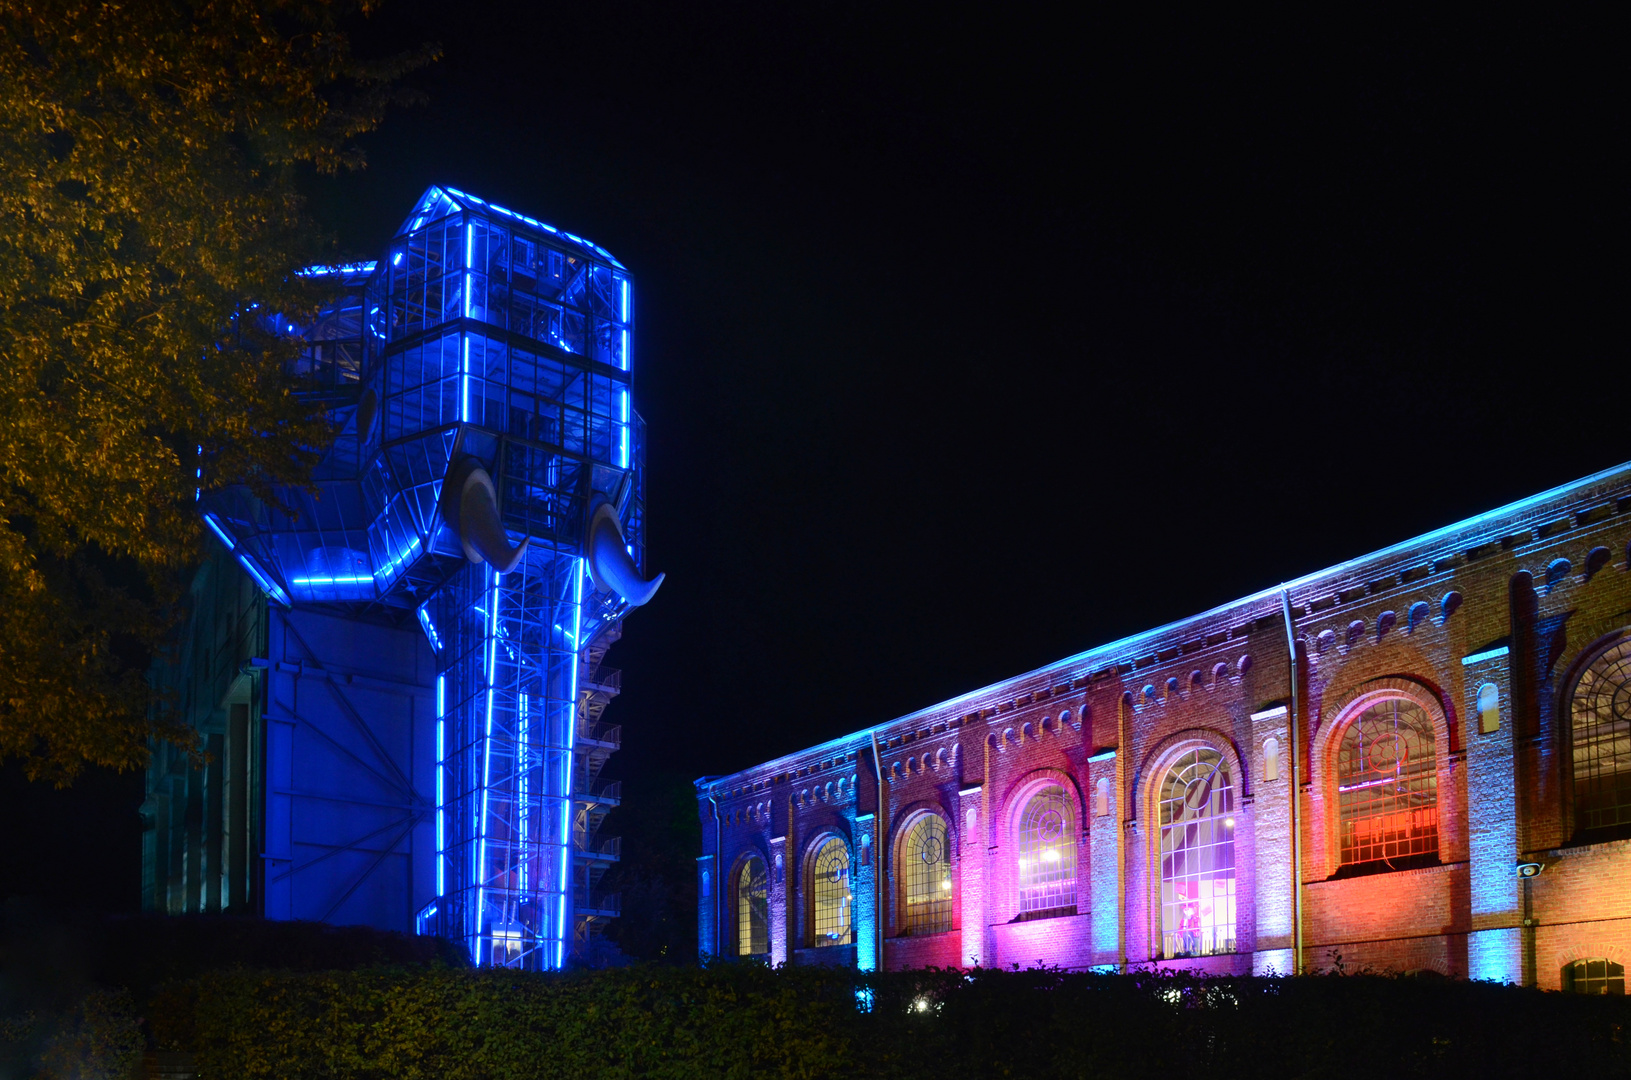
(1159, 756)
(1014, 798)
(1585, 950)
(1337, 710)
(1577, 667)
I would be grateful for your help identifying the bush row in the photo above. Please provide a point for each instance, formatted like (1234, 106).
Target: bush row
(732, 1020)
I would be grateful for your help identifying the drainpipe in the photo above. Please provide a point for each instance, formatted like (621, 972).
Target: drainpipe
(719, 877)
(1294, 722)
(878, 922)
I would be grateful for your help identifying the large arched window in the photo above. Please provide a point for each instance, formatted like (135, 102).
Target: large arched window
(1594, 976)
(1602, 744)
(830, 895)
(1198, 856)
(923, 874)
(752, 909)
(1047, 855)
(1387, 789)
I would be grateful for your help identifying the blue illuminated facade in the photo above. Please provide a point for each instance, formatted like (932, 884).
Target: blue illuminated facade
(417, 696)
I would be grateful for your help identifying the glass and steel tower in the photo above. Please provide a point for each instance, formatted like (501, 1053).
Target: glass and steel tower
(486, 488)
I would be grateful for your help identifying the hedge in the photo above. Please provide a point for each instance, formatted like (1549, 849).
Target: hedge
(734, 1020)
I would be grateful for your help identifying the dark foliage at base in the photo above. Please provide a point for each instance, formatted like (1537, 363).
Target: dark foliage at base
(73, 987)
(733, 1020)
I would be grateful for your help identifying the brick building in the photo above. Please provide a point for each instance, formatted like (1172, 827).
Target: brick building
(1457, 734)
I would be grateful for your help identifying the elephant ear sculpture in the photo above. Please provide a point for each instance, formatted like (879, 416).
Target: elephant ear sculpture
(470, 507)
(611, 567)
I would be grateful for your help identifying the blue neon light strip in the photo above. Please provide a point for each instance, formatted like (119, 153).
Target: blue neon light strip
(441, 786)
(1106, 756)
(342, 268)
(534, 222)
(566, 760)
(268, 586)
(335, 579)
(431, 635)
(215, 527)
(407, 553)
(1487, 654)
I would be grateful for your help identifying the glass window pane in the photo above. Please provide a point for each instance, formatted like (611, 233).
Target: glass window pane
(1198, 856)
(1047, 855)
(924, 873)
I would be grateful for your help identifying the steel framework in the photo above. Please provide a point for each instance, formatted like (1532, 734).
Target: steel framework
(486, 486)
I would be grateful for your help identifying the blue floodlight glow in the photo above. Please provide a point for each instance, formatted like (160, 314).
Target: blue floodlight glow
(341, 268)
(623, 429)
(333, 579)
(215, 527)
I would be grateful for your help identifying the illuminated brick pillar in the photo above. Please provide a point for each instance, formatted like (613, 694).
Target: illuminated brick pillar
(708, 905)
(781, 911)
(1272, 819)
(864, 888)
(971, 875)
(1495, 946)
(1104, 858)
(1138, 896)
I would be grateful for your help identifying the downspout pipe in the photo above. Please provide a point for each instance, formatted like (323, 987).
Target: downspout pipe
(877, 858)
(719, 878)
(1294, 724)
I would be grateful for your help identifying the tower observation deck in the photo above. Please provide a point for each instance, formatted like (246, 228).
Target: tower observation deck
(418, 690)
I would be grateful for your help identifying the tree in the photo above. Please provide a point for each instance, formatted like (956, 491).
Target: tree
(149, 159)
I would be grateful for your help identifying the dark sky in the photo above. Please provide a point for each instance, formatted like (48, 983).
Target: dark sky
(967, 341)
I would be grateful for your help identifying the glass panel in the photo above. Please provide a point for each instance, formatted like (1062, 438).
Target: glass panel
(1602, 741)
(1047, 855)
(1594, 976)
(752, 910)
(1387, 785)
(830, 894)
(925, 873)
(1198, 856)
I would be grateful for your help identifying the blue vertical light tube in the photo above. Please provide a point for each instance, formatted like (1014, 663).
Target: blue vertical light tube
(566, 758)
(441, 785)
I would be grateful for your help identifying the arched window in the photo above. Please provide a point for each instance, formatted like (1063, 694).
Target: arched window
(830, 894)
(1489, 708)
(1387, 789)
(1198, 856)
(1271, 759)
(1602, 743)
(924, 877)
(1594, 976)
(752, 909)
(1047, 855)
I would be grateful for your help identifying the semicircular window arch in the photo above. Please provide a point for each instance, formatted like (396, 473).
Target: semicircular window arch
(923, 875)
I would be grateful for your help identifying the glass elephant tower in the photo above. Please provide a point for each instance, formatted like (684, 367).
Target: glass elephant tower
(483, 509)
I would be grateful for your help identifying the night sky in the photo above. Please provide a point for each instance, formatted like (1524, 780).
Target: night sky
(968, 341)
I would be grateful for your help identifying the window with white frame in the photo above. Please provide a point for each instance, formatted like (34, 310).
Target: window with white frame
(1047, 855)
(924, 877)
(1197, 811)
